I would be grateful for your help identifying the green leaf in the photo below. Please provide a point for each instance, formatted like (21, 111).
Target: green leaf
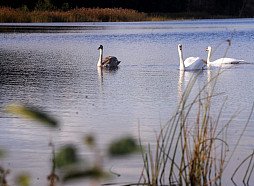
(23, 180)
(2, 153)
(66, 156)
(123, 146)
(32, 113)
(90, 173)
(90, 141)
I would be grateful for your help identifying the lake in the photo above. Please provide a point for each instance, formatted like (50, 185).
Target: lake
(53, 67)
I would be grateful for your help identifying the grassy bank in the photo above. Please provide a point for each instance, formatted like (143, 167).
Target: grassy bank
(22, 15)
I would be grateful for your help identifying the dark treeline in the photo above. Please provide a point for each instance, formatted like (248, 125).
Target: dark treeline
(210, 7)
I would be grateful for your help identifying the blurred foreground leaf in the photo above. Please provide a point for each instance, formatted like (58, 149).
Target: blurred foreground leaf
(123, 146)
(23, 180)
(90, 173)
(32, 113)
(66, 156)
(3, 174)
(2, 153)
(90, 141)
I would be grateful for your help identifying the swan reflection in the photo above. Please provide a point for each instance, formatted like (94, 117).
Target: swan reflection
(101, 74)
(185, 77)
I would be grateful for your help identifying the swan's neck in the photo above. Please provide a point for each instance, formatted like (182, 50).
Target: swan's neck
(181, 59)
(209, 56)
(100, 59)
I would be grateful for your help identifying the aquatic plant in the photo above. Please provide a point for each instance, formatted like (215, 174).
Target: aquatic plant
(248, 171)
(192, 148)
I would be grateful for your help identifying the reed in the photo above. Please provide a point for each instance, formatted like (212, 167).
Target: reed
(23, 15)
(191, 150)
(10, 15)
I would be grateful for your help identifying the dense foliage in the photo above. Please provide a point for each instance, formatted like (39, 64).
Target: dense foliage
(211, 7)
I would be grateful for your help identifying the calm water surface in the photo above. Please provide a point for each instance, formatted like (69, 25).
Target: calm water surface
(53, 66)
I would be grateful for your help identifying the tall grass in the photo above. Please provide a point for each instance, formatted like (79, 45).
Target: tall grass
(191, 150)
(10, 15)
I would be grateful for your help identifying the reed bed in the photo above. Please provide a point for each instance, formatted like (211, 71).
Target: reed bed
(10, 15)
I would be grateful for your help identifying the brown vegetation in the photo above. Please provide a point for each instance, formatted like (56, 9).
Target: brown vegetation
(10, 15)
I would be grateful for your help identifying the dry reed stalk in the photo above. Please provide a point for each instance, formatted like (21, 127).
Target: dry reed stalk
(192, 152)
(11, 15)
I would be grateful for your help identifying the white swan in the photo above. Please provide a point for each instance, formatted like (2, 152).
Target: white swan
(191, 63)
(220, 61)
(109, 62)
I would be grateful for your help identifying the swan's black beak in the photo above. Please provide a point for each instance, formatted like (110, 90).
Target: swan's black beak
(100, 47)
(180, 47)
(206, 49)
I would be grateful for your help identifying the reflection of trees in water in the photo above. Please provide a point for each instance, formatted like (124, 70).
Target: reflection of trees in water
(35, 77)
(15, 29)
(28, 67)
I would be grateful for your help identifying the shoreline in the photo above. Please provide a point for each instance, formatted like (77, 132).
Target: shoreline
(90, 15)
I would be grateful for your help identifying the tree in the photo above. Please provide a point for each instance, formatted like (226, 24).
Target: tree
(45, 5)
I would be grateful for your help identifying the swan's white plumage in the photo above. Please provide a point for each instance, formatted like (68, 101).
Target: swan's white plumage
(220, 61)
(109, 62)
(190, 63)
